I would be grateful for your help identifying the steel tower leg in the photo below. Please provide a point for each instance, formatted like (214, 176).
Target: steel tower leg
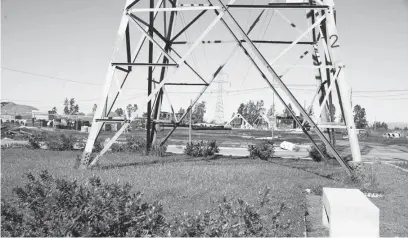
(334, 51)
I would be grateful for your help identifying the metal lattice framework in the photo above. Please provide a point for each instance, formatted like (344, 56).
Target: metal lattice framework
(329, 69)
(219, 107)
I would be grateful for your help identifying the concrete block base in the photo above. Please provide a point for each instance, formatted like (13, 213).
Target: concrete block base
(349, 213)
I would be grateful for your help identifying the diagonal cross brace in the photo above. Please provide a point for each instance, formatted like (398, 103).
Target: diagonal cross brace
(159, 87)
(283, 87)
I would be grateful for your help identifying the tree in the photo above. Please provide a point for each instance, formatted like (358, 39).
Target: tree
(241, 108)
(130, 108)
(198, 112)
(360, 117)
(251, 110)
(94, 108)
(380, 125)
(119, 111)
(271, 111)
(73, 108)
(181, 111)
(287, 113)
(54, 110)
(66, 106)
(70, 108)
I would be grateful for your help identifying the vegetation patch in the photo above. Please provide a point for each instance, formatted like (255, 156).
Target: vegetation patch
(365, 178)
(403, 165)
(47, 206)
(201, 149)
(263, 151)
(316, 156)
(52, 141)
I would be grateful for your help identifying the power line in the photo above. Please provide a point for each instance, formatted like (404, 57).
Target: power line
(50, 77)
(381, 91)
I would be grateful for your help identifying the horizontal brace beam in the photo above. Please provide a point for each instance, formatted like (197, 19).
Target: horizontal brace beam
(146, 64)
(111, 120)
(122, 69)
(173, 9)
(254, 41)
(279, 6)
(188, 84)
(193, 5)
(332, 126)
(305, 66)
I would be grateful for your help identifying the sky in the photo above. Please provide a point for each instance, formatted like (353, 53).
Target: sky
(57, 49)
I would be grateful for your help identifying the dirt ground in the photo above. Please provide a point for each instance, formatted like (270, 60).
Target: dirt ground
(373, 149)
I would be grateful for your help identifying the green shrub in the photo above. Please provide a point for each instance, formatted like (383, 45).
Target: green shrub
(60, 142)
(56, 207)
(36, 139)
(201, 149)
(118, 147)
(262, 151)
(98, 145)
(232, 219)
(52, 140)
(46, 206)
(157, 149)
(364, 177)
(316, 156)
(135, 144)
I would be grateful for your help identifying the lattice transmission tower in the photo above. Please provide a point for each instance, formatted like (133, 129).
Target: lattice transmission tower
(219, 106)
(163, 39)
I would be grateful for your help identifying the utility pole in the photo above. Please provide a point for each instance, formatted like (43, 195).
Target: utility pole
(189, 127)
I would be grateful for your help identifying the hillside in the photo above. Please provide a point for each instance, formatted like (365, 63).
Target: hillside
(13, 108)
(392, 125)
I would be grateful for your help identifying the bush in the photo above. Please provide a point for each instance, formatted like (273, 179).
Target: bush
(262, 151)
(60, 142)
(232, 219)
(201, 149)
(98, 145)
(157, 149)
(135, 144)
(52, 141)
(56, 207)
(36, 139)
(46, 206)
(316, 156)
(118, 147)
(364, 177)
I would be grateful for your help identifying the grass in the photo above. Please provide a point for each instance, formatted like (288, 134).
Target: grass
(403, 165)
(392, 182)
(183, 184)
(187, 184)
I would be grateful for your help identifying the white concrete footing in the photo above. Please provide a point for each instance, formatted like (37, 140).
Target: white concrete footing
(349, 213)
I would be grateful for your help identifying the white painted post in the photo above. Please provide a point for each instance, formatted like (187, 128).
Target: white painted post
(334, 50)
(189, 128)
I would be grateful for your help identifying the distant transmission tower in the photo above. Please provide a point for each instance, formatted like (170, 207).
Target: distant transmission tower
(219, 107)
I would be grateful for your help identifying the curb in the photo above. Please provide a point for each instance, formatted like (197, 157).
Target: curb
(397, 167)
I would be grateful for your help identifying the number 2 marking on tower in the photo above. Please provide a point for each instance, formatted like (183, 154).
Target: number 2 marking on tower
(333, 45)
